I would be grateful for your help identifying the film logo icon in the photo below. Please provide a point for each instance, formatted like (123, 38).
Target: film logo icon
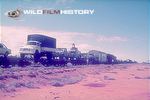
(14, 14)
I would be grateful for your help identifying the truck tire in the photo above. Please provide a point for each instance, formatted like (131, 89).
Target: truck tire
(49, 58)
(36, 56)
(22, 55)
(6, 54)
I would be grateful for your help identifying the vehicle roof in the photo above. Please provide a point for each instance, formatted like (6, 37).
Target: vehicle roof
(34, 41)
(1, 43)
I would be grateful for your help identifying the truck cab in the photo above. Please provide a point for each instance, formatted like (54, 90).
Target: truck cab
(30, 48)
(4, 51)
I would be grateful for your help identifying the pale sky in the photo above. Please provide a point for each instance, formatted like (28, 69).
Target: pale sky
(117, 27)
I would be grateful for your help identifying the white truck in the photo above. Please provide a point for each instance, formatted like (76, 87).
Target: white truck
(38, 45)
(4, 51)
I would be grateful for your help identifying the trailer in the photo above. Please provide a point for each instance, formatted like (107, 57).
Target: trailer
(97, 57)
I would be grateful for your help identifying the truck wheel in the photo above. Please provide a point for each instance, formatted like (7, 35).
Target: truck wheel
(6, 54)
(22, 55)
(49, 58)
(36, 56)
(6, 62)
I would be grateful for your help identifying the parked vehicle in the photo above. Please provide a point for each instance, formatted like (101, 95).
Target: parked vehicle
(60, 57)
(4, 51)
(97, 57)
(74, 55)
(37, 46)
(111, 59)
(84, 59)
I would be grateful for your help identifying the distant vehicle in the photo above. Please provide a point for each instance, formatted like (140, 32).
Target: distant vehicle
(38, 45)
(74, 55)
(60, 57)
(97, 57)
(4, 51)
(111, 59)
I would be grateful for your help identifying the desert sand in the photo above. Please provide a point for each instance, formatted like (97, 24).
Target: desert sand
(84, 82)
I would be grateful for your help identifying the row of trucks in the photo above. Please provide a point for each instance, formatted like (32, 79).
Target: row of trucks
(41, 48)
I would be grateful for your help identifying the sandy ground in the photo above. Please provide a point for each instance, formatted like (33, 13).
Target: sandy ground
(92, 82)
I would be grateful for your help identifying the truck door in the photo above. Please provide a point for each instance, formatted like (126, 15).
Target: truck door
(2, 49)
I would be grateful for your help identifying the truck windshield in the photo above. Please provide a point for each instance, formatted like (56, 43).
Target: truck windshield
(32, 43)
